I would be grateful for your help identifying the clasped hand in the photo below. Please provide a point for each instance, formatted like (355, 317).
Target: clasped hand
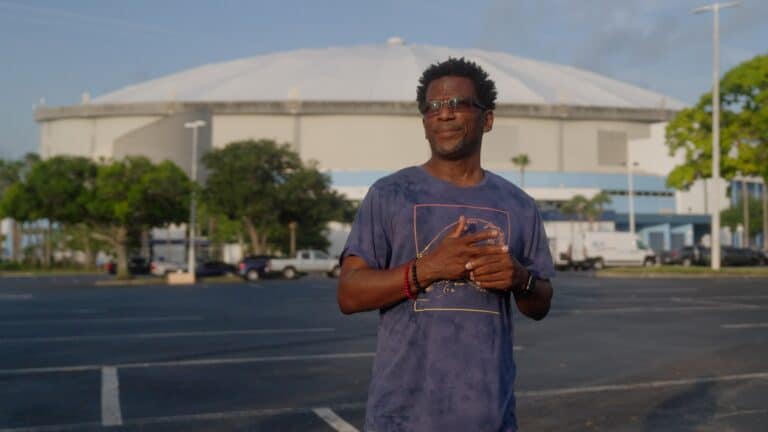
(464, 257)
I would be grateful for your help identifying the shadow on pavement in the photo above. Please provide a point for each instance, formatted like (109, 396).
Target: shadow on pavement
(685, 411)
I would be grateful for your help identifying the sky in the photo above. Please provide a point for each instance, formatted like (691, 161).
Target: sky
(56, 50)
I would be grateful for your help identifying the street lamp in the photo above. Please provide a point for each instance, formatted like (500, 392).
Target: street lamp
(631, 195)
(194, 125)
(715, 9)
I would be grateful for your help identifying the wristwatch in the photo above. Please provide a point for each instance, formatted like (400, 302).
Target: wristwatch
(529, 286)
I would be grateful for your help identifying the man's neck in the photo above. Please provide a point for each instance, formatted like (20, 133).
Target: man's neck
(462, 173)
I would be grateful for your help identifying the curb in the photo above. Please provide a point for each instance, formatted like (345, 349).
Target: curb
(610, 275)
(162, 282)
(52, 274)
(132, 282)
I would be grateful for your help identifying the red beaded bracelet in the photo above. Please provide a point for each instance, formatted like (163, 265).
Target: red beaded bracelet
(407, 283)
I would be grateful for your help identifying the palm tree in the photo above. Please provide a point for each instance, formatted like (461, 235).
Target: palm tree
(573, 207)
(594, 207)
(521, 161)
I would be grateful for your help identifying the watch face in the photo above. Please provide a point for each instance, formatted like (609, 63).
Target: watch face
(531, 285)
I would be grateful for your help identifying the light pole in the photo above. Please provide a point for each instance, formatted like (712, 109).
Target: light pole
(715, 9)
(631, 195)
(194, 125)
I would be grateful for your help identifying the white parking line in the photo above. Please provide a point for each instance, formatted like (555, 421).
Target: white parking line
(99, 320)
(334, 420)
(708, 302)
(111, 414)
(662, 309)
(59, 312)
(740, 413)
(111, 337)
(16, 296)
(202, 362)
(55, 428)
(744, 325)
(643, 385)
(740, 297)
(146, 421)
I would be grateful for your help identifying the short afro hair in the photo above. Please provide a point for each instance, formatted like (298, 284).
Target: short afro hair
(484, 86)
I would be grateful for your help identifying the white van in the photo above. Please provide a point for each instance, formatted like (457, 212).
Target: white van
(601, 249)
(566, 240)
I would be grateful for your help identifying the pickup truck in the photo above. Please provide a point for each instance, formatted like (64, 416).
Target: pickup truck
(306, 261)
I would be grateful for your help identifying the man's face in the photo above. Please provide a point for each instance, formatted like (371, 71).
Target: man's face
(455, 134)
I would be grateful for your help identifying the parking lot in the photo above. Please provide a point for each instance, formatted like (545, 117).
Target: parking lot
(613, 355)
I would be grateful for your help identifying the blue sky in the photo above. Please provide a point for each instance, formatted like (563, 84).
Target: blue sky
(58, 49)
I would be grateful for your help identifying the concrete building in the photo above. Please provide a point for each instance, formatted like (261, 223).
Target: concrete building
(353, 110)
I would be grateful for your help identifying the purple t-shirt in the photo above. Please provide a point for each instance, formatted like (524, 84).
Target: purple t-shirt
(444, 362)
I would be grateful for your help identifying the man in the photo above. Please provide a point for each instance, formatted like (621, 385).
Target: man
(442, 249)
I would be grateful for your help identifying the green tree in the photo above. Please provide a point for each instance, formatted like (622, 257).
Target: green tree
(593, 207)
(135, 193)
(521, 161)
(218, 229)
(577, 206)
(734, 216)
(13, 172)
(266, 186)
(307, 199)
(744, 129)
(56, 190)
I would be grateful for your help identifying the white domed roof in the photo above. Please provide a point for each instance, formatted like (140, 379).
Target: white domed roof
(382, 73)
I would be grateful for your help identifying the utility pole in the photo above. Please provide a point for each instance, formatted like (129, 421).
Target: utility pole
(715, 233)
(745, 210)
(194, 125)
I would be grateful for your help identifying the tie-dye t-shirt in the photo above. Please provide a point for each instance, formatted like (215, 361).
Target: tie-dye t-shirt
(444, 361)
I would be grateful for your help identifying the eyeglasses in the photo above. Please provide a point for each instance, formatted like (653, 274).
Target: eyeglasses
(457, 104)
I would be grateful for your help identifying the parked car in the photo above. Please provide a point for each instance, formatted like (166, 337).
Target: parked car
(161, 267)
(740, 257)
(761, 257)
(253, 267)
(214, 268)
(689, 255)
(306, 261)
(668, 257)
(136, 265)
(729, 256)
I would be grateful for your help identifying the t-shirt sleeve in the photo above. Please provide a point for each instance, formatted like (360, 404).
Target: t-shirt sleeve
(537, 257)
(369, 238)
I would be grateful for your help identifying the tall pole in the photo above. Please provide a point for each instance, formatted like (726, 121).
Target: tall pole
(745, 211)
(631, 196)
(716, 137)
(192, 260)
(193, 208)
(765, 216)
(715, 233)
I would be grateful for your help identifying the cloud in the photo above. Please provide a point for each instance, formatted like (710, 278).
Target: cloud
(608, 35)
(55, 15)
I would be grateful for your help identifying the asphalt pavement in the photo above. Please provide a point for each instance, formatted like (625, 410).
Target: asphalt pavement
(613, 355)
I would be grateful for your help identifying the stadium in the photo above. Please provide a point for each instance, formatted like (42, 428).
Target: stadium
(352, 109)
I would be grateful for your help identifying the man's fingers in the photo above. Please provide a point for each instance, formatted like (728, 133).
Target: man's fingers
(489, 269)
(499, 284)
(459, 227)
(481, 236)
(495, 256)
(479, 251)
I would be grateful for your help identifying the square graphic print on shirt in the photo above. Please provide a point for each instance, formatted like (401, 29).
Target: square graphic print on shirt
(434, 222)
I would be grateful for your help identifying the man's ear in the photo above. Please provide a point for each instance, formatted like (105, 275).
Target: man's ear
(488, 124)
